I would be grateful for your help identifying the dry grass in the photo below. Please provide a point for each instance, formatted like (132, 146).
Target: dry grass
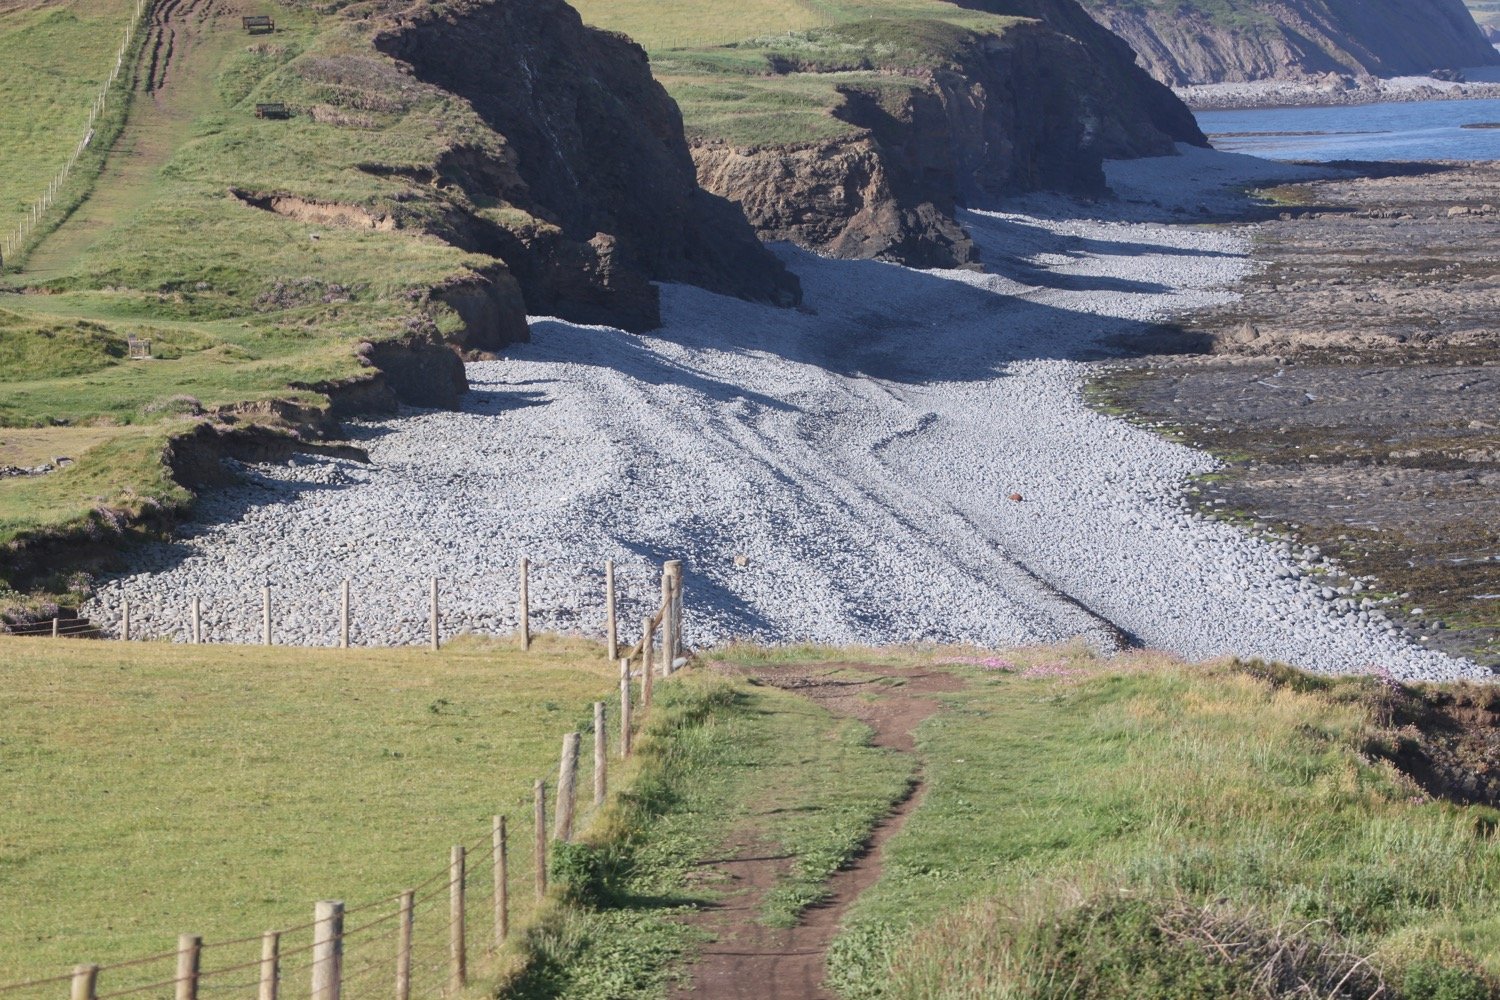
(29, 447)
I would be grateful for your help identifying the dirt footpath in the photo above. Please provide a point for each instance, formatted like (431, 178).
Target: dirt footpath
(748, 961)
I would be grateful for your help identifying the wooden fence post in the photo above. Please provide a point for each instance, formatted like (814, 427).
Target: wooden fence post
(328, 949)
(567, 779)
(197, 620)
(612, 633)
(502, 881)
(677, 596)
(189, 955)
(344, 615)
(85, 982)
(265, 614)
(539, 804)
(624, 708)
(125, 621)
(645, 685)
(666, 622)
(403, 944)
(648, 639)
(54, 627)
(270, 965)
(523, 605)
(601, 755)
(669, 628)
(433, 616)
(458, 971)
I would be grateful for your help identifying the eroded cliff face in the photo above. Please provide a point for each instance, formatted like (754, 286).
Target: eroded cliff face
(1136, 113)
(1183, 44)
(592, 194)
(1028, 109)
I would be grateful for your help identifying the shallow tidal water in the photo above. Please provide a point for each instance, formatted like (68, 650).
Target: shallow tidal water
(1419, 130)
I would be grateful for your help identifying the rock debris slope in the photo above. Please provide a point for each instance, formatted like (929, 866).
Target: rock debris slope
(1237, 41)
(860, 452)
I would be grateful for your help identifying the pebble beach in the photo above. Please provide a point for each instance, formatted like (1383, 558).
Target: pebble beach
(840, 473)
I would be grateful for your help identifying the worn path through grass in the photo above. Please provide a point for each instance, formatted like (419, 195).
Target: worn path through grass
(1134, 828)
(760, 949)
(189, 39)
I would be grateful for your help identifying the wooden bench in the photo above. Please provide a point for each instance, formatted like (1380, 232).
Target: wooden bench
(274, 109)
(258, 24)
(140, 350)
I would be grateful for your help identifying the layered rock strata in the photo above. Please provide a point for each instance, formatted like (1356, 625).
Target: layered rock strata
(1184, 44)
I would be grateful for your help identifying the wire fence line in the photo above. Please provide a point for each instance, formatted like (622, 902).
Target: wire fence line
(406, 946)
(16, 238)
(342, 621)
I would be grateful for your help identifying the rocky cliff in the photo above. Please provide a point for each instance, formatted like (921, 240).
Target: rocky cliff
(1185, 42)
(961, 116)
(584, 185)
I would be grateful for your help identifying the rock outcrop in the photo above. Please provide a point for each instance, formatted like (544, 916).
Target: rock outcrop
(1235, 41)
(1037, 106)
(595, 171)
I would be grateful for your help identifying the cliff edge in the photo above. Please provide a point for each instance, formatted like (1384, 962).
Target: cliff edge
(590, 193)
(863, 137)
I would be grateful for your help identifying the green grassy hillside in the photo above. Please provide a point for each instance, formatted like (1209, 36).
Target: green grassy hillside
(240, 304)
(716, 58)
(53, 60)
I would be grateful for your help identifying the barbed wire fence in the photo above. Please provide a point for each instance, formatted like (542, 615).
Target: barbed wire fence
(36, 212)
(409, 945)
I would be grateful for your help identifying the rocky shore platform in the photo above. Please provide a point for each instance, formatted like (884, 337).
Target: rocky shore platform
(1354, 390)
(1340, 89)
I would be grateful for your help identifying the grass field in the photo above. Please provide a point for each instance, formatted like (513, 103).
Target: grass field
(717, 58)
(156, 789)
(53, 60)
(1135, 828)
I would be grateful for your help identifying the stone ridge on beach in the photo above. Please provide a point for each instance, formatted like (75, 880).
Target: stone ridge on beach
(859, 451)
(1335, 90)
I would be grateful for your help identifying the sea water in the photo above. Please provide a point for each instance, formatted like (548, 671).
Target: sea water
(1418, 130)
